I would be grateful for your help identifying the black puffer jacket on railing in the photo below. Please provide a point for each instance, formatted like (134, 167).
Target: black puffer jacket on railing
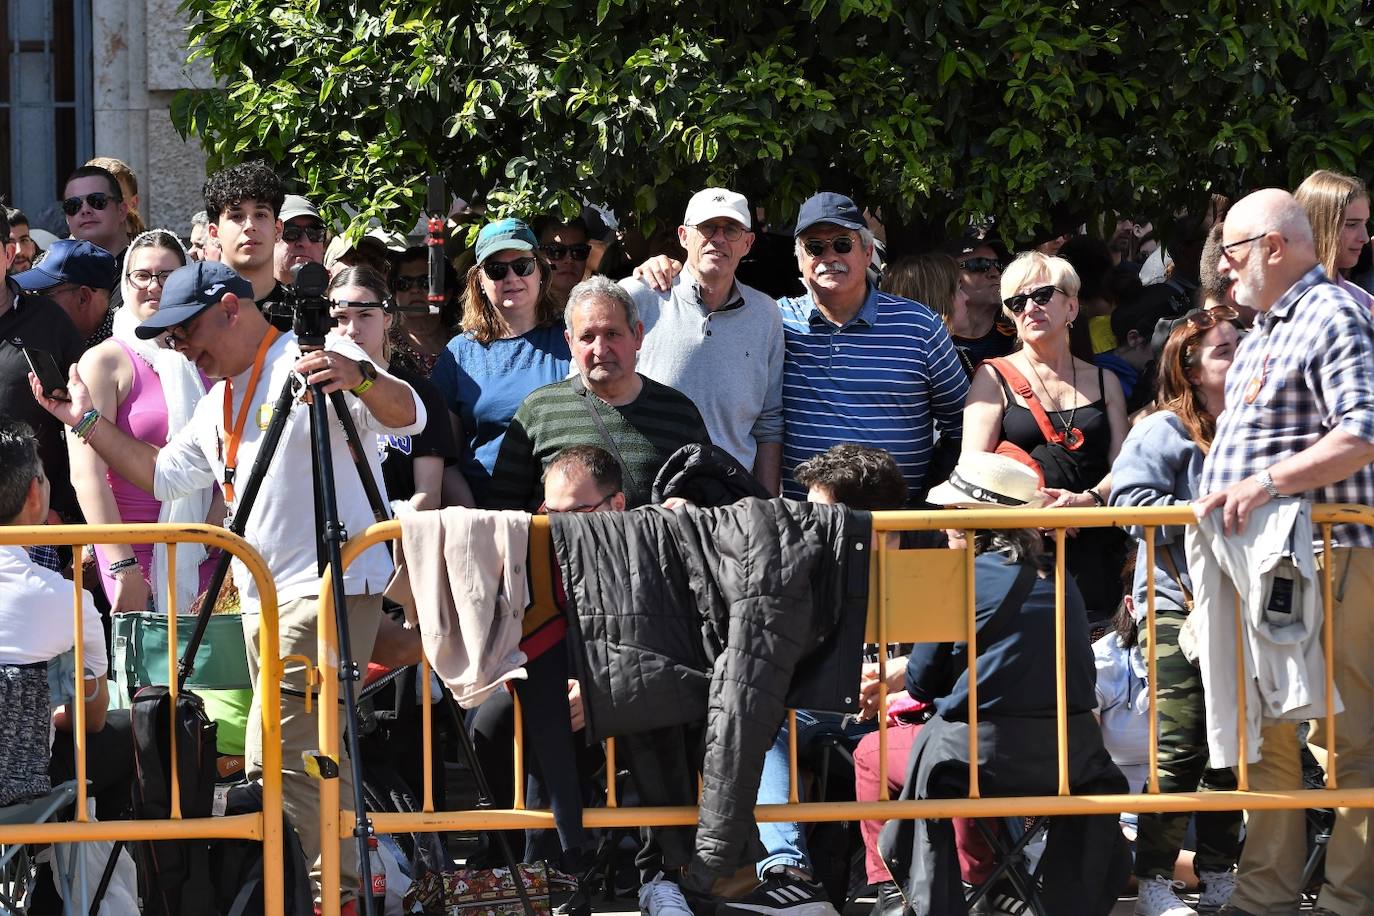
(691, 614)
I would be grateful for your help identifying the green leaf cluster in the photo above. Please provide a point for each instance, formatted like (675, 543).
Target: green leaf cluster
(937, 110)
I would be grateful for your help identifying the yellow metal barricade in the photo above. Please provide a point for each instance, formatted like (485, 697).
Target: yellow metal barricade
(914, 596)
(264, 826)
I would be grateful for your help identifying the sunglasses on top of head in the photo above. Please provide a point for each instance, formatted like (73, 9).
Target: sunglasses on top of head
(1042, 296)
(98, 200)
(1206, 319)
(843, 244)
(496, 270)
(559, 252)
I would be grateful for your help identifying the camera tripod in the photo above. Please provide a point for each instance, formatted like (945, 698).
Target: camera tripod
(330, 547)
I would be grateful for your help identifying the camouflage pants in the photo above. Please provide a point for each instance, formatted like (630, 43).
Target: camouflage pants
(1183, 764)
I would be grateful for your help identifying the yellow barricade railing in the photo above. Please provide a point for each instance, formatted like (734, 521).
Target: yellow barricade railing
(264, 826)
(915, 596)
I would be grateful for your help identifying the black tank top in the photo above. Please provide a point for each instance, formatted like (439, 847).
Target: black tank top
(1071, 470)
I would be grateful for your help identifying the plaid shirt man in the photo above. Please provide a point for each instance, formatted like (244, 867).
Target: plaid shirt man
(1305, 370)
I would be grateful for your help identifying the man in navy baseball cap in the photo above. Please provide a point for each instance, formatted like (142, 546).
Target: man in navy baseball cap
(191, 290)
(78, 276)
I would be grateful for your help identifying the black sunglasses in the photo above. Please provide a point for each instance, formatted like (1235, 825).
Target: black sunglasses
(98, 200)
(980, 265)
(843, 244)
(1017, 304)
(293, 233)
(403, 284)
(559, 252)
(496, 270)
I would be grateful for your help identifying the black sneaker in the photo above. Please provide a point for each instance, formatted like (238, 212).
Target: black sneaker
(782, 893)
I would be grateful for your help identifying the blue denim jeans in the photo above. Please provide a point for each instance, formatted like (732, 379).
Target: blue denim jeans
(786, 843)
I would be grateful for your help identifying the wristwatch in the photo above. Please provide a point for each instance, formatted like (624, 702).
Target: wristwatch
(1266, 482)
(369, 372)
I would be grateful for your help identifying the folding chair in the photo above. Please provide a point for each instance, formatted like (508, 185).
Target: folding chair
(1012, 863)
(18, 869)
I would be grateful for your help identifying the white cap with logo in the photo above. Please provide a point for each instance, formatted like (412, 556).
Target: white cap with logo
(714, 202)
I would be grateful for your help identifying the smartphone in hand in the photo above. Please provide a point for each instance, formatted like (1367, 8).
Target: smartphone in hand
(50, 376)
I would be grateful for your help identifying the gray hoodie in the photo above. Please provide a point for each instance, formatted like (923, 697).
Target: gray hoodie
(1159, 465)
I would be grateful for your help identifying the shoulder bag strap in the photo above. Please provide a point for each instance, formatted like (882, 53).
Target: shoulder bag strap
(1172, 567)
(581, 389)
(1011, 603)
(1018, 383)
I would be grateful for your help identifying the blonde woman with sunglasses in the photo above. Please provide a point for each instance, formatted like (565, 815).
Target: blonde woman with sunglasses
(1083, 409)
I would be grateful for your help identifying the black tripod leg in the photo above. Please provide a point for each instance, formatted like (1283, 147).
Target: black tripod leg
(349, 673)
(484, 799)
(380, 510)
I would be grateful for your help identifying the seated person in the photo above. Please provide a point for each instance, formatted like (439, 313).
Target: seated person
(36, 629)
(1085, 863)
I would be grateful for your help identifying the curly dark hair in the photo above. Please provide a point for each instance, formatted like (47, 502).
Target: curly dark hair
(246, 181)
(859, 476)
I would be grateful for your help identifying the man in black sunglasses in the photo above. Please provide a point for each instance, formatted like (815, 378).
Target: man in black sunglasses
(979, 328)
(302, 237)
(97, 213)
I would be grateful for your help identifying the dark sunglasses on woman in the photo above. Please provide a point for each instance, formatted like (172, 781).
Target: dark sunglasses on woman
(98, 200)
(559, 252)
(843, 244)
(1042, 296)
(496, 270)
(1206, 319)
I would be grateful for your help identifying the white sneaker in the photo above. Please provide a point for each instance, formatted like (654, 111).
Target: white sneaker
(661, 897)
(1217, 887)
(1158, 896)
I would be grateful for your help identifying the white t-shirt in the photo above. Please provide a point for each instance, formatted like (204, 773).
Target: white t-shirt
(281, 525)
(37, 622)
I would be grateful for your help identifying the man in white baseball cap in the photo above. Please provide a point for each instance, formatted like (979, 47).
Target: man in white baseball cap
(707, 328)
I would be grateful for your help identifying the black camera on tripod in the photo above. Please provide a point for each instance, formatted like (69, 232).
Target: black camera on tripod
(305, 302)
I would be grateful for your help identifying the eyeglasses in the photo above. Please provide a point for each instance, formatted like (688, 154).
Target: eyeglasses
(292, 234)
(496, 270)
(581, 507)
(1042, 296)
(559, 252)
(142, 279)
(843, 244)
(1206, 319)
(980, 265)
(181, 334)
(732, 231)
(1230, 246)
(98, 200)
(404, 284)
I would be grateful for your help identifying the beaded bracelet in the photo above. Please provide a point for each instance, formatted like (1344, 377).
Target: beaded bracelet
(118, 566)
(83, 427)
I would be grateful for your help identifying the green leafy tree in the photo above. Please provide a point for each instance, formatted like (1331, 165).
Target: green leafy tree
(935, 110)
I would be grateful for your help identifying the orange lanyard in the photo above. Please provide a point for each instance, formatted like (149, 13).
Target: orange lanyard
(233, 434)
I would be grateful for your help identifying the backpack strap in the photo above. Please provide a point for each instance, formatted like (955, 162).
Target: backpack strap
(1003, 367)
(1172, 567)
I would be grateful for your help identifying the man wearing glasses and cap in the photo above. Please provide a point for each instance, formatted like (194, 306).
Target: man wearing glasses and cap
(707, 328)
(78, 275)
(980, 329)
(207, 313)
(861, 365)
(301, 240)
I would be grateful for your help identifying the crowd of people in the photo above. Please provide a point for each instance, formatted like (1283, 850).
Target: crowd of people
(568, 361)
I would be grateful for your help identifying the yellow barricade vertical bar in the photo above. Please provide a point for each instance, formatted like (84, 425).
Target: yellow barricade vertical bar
(792, 756)
(880, 546)
(971, 609)
(1242, 729)
(327, 653)
(518, 801)
(78, 704)
(172, 690)
(1152, 661)
(1061, 704)
(1329, 651)
(427, 718)
(611, 800)
(269, 693)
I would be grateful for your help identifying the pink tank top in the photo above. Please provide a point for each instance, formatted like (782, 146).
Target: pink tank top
(143, 415)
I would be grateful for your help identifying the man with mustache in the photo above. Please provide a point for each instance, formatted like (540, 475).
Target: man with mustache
(607, 403)
(861, 365)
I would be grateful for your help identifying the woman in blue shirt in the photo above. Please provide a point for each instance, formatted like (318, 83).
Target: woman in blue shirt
(511, 343)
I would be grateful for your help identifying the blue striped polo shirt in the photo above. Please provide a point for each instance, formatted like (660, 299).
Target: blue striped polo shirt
(889, 377)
